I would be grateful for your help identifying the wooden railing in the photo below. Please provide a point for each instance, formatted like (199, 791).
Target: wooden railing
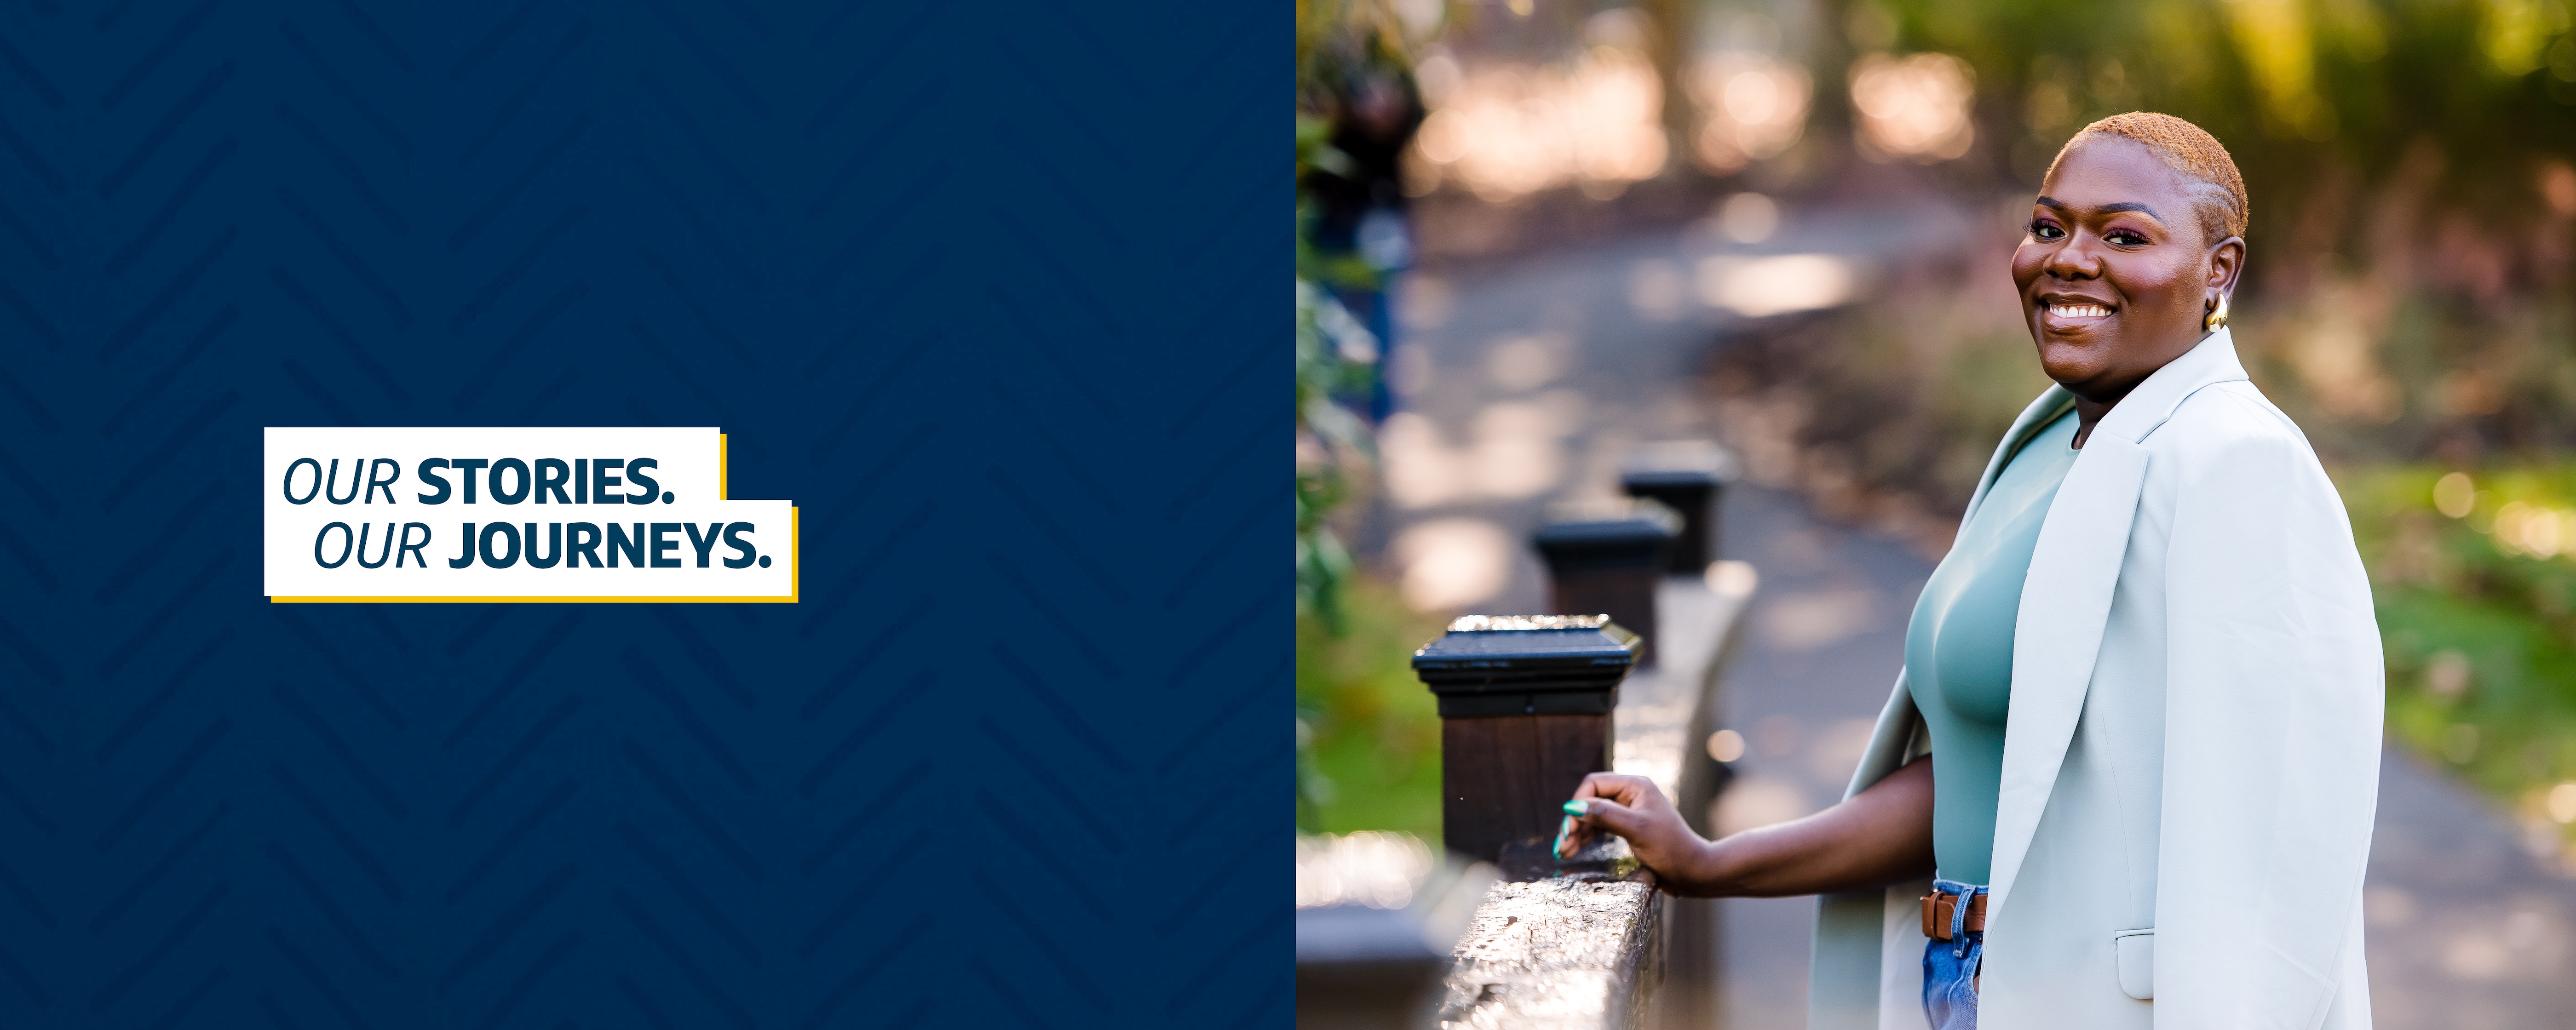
(1531, 705)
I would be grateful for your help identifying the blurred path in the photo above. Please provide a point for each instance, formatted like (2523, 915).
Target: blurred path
(1816, 663)
(1524, 383)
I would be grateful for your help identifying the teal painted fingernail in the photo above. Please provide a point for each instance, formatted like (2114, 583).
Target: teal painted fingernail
(1578, 808)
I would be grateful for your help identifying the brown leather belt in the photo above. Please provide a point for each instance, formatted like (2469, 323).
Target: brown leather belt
(1938, 908)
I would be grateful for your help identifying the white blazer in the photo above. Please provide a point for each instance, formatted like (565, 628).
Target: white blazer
(2192, 758)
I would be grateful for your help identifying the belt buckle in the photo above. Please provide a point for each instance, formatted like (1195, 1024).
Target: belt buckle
(1940, 909)
(1937, 909)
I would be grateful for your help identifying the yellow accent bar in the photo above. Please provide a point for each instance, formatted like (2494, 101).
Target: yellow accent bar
(722, 459)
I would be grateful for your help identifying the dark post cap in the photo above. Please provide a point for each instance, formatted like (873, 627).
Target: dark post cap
(1616, 519)
(1495, 665)
(1630, 530)
(1678, 463)
(1689, 475)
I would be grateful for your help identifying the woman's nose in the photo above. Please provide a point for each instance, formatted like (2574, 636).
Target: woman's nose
(2075, 260)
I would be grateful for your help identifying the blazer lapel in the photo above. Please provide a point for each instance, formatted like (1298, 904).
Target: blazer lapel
(2066, 597)
(2052, 403)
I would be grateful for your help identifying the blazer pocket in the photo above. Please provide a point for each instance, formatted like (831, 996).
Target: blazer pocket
(2137, 959)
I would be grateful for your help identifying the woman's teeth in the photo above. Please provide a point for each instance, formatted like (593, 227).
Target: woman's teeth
(2079, 311)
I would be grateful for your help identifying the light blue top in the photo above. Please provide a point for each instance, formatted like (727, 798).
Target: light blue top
(1959, 648)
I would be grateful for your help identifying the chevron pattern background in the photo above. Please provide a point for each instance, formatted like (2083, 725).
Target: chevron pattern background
(987, 289)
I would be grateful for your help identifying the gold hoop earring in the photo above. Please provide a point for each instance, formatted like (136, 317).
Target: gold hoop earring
(2217, 319)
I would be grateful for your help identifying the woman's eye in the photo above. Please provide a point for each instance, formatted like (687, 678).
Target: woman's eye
(2124, 237)
(2045, 231)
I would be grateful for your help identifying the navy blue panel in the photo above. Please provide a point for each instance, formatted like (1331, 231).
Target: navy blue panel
(983, 287)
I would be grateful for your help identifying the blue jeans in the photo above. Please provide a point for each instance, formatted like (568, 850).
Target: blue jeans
(1950, 967)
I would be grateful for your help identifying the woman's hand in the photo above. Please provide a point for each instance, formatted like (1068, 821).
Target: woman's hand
(1632, 808)
(1879, 836)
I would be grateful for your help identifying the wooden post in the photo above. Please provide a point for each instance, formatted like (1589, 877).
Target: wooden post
(1690, 477)
(1525, 706)
(1606, 558)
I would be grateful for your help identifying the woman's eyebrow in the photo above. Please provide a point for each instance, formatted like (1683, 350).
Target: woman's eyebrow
(2111, 208)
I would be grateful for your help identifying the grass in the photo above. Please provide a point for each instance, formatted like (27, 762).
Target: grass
(2477, 608)
(1371, 759)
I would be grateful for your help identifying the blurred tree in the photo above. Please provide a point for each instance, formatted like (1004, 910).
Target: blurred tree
(1668, 32)
(1346, 49)
(2291, 86)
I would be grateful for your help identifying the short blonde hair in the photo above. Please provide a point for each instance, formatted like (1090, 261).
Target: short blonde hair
(2189, 150)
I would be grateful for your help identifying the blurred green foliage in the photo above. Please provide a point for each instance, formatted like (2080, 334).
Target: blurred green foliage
(2292, 86)
(1344, 686)
(1371, 731)
(1329, 438)
(1337, 37)
(2479, 618)
(1335, 354)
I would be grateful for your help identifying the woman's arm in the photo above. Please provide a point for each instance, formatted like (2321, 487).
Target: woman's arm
(1879, 836)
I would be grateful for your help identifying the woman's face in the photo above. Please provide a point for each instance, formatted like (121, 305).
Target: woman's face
(2114, 272)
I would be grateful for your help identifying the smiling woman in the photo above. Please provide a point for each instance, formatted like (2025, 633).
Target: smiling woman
(2122, 273)
(2131, 760)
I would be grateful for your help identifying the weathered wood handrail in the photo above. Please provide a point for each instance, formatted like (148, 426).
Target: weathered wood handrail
(1588, 944)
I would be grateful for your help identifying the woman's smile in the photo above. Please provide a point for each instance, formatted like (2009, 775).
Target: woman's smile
(2065, 314)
